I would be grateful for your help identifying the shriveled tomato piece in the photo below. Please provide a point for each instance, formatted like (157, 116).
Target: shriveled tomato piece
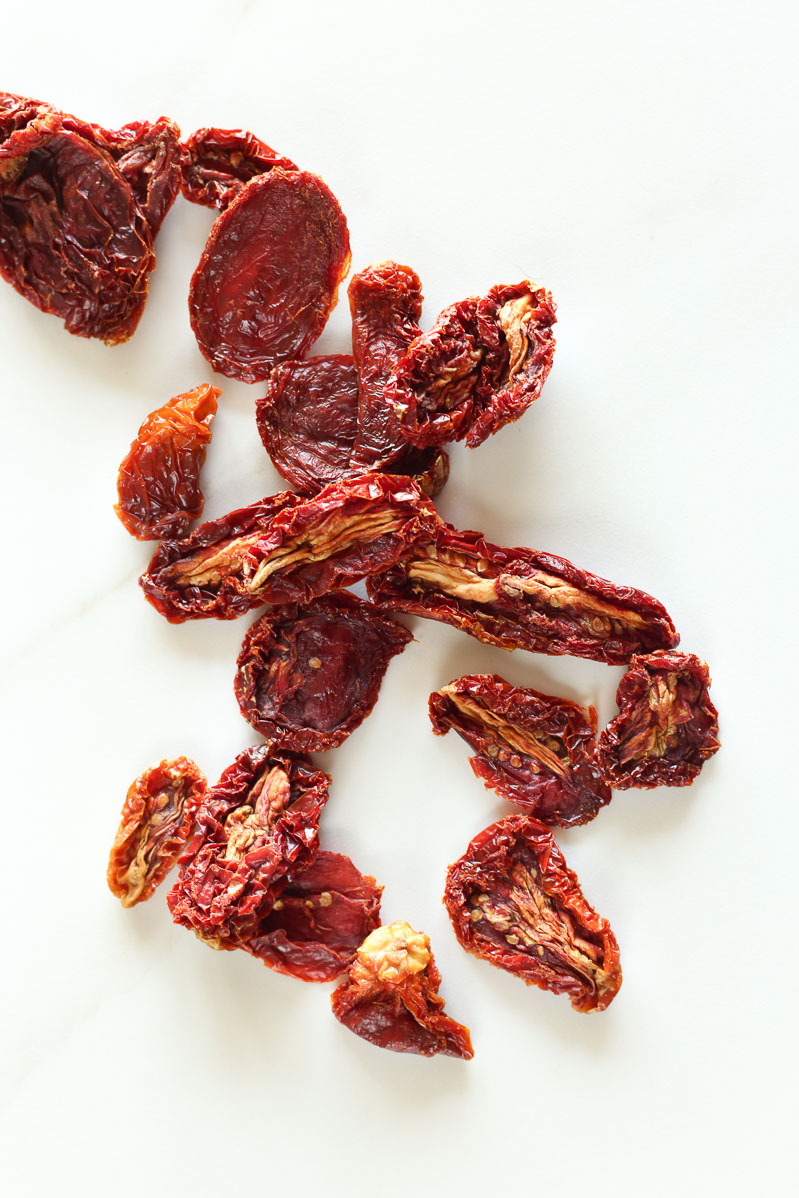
(514, 902)
(157, 820)
(667, 726)
(308, 420)
(318, 920)
(159, 481)
(391, 996)
(269, 275)
(521, 599)
(284, 550)
(257, 827)
(219, 162)
(536, 750)
(80, 207)
(480, 367)
(307, 676)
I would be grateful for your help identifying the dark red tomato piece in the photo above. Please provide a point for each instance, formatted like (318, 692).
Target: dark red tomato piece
(302, 550)
(521, 599)
(73, 239)
(386, 303)
(80, 206)
(187, 578)
(159, 480)
(308, 420)
(318, 921)
(480, 367)
(219, 162)
(514, 902)
(537, 751)
(269, 275)
(391, 998)
(307, 676)
(157, 820)
(667, 726)
(256, 829)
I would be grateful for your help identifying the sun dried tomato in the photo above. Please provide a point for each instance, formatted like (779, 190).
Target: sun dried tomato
(269, 275)
(315, 926)
(514, 902)
(391, 996)
(535, 750)
(521, 599)
(186, 577)
(480, 367)
(667, 725)
(79, 208)
(159, 480)
(307, 676)
(157, 820)
(256, 829)
(219, 162)
(308, 421)
(349, 530)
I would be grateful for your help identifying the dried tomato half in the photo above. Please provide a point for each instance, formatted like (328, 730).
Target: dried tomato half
(219, 162)
(159, 481)
(391, 996)
(186, 577)
(535, 750)
(308, 422)
(256, 829)
(514, 902)
(667, 725)
(480, 367)
(306, 548)
(307, 676)
(269, 275)
(79, 209)
(315, 926)
(522, 599)
(157, 820)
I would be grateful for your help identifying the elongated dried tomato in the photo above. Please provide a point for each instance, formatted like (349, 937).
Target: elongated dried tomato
(79, 208)
(269, 275)
(513, 901)
(256, 829)
(157, 820)
(307, 676)
(203, 561)
(535, 750)
(307, 548)
(159, 481)
(308, 422)
(219, 162)
(667, 725)
(318, 921)
(480, 367)
(522, 599)
(391, 996)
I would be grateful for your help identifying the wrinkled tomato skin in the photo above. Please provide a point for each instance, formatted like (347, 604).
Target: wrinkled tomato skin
(307, 676)
(158, 484)
(269, 275)
(218, 163)
(321, 916)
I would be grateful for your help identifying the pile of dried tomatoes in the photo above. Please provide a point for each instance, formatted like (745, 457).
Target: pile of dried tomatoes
(361, 439)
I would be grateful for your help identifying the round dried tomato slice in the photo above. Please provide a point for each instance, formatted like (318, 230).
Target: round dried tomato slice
(269, 275)
(307, 676)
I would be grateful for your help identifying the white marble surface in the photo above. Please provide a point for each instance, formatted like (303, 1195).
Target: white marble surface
(640, 162)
